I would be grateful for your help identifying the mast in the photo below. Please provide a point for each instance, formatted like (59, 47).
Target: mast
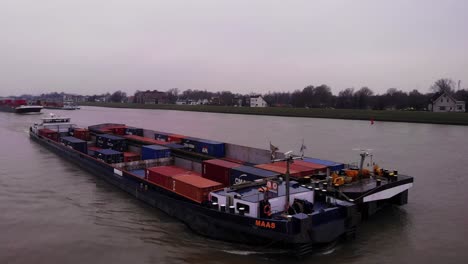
(288, 161)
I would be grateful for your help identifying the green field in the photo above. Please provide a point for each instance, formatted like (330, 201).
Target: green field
(387, 115)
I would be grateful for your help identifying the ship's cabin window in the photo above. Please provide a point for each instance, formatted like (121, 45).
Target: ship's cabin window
(241, 205)
(214, 199)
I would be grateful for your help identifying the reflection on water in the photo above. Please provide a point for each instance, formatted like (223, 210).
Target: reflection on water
(53, 211)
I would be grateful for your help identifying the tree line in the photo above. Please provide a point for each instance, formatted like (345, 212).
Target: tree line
(322, 97)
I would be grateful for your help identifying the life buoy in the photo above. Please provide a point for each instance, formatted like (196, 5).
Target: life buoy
(267, 210)
(338, 181)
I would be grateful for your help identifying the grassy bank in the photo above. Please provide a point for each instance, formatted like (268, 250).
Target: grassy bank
(394, 116)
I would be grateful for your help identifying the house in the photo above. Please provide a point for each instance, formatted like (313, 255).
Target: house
(150, 97)
(257, 101)
(238, 101)
(444, 102)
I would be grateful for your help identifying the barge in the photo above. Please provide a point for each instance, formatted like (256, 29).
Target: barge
(230, 192)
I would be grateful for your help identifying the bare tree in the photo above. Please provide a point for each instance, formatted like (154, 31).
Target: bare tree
(443, 85)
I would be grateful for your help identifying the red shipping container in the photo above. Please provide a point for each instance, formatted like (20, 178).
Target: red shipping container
(105, 131)
(118, 130)
(292, 172)
(50, 134)
(316, 167)
(82, 133)
(234, 160)
(218, 170)
(131, 156)
(194, 187)
(94, 148)
(175, 138)
(162, 175)
(302, 170)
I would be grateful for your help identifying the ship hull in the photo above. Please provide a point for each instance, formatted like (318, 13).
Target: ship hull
(318, 231)
(28, 109)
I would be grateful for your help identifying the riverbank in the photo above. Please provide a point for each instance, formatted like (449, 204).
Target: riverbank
(385, 115)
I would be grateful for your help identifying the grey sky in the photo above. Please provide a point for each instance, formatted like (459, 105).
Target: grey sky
(96, 46)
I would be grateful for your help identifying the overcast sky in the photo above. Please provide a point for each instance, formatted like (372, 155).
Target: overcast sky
(97, 46)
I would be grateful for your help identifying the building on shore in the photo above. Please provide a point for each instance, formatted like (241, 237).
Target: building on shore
(257, 101)
(444, 102)
(150, 97)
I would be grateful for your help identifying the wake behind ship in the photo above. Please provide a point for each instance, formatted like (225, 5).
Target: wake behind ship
(226, 191)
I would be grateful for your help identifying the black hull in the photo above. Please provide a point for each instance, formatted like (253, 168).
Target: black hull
(319, 230)
(28, 110)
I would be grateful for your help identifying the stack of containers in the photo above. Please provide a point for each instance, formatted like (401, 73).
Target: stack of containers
(50, 134)
(218, 170)
(131, 156)
(81, 133)
(134, 131)
(109, 155)
(249, 174)
(111, 142)
(333, 166)
(162, 176)
(194, 187)
(75, 143)
(154, 152)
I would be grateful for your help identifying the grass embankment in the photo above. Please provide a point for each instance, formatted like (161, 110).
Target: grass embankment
(393, 116)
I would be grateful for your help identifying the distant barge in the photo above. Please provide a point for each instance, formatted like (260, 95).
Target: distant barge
(226, 191)
(18, 106)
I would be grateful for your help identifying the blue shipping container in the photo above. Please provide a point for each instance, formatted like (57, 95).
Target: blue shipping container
(161, 136)
(248, 174)
(154, 152)
(211, 148)
(333, 166)
(75, 143)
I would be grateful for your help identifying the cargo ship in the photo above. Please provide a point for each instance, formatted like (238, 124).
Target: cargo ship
(230, 192)
(19, 106)
(62, 105)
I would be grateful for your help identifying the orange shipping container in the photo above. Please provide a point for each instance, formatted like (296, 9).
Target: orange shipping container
(316, 167)
(162, 175)
(194, 187)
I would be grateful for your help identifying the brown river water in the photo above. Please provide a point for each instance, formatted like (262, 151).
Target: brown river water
(51, 211)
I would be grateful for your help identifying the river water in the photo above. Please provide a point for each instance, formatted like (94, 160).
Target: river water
(51, 211)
